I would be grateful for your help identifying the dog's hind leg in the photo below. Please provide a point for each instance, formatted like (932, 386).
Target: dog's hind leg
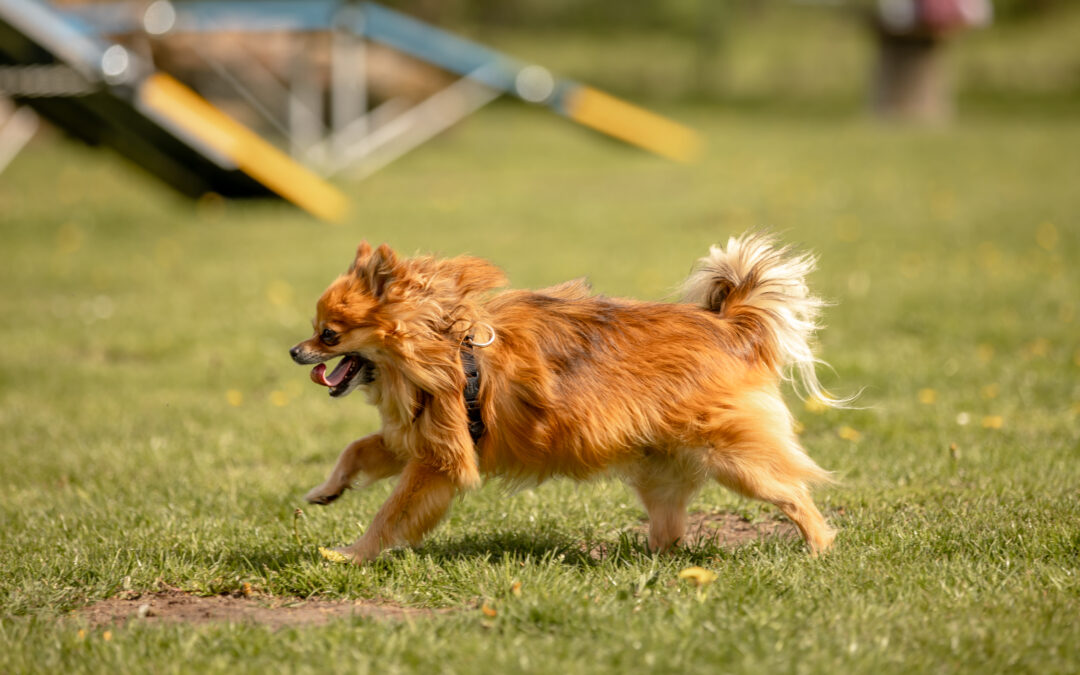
(368, 456)
(793, 500)
(757, 454)
(665, 484)
(419, 501)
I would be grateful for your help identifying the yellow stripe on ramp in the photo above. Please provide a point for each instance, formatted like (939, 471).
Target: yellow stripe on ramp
(252, 155)
(632, 124)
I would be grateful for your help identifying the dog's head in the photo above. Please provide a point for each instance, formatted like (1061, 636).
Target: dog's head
(381, 307)
(347, 323)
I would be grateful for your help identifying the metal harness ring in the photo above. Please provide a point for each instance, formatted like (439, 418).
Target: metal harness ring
(491, 339)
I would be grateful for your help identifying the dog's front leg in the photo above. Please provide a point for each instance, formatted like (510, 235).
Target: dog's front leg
(419, 501)
(368, 456)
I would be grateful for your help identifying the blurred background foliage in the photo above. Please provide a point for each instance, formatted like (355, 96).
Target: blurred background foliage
(764, 50)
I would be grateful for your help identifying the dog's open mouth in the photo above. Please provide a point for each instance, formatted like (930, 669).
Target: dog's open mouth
(350, 366)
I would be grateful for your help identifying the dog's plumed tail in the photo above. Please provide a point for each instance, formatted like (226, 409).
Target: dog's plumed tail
(762, 289)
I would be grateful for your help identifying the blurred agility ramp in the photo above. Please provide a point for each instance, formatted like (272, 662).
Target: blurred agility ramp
(104, 94)
(88, 70)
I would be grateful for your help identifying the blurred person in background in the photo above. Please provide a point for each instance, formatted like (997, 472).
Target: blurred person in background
(911, 82)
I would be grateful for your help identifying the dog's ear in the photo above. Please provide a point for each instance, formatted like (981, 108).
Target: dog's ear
(380, 270)
(374, 268)
(363, 254)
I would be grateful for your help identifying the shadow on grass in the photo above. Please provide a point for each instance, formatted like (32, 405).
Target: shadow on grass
(622, 548)
(492, 547)
(628, 548)
(711, 537)
(521, 546)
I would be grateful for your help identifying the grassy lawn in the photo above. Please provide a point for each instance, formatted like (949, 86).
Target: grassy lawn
(154, 430)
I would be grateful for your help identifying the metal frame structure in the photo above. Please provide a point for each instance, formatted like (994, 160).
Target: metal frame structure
(60, 68)
(60, 64)
(18, 124)
(358, 141)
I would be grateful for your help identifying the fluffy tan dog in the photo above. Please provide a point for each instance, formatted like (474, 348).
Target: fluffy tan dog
(665, 396)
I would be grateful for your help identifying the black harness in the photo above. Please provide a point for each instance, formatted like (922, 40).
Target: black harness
(472, 391)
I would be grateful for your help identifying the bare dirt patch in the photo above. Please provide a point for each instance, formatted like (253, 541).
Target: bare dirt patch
(729, 530)
(176, 606)
(725, 530)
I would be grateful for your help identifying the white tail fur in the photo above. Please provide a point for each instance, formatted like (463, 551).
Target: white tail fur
(753, 275)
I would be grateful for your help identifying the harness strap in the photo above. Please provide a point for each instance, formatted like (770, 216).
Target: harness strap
(472, 394)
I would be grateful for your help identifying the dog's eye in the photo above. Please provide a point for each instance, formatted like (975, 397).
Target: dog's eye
(328, 337)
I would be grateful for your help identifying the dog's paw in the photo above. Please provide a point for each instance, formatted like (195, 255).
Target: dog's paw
(322, 495)
(359, 553)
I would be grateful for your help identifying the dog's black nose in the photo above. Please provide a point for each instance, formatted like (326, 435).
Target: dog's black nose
(294, 352)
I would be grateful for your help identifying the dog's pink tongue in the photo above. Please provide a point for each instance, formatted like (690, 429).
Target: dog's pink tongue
(319, 376)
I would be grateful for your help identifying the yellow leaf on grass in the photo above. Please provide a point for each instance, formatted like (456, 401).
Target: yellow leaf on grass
(1038, 347)
(515, 588)
(848, 434)
(333, 556)
(993, 422)
(989, 256)
(235, 397)
(107, 635)
(488, 610)
(927, 396)
(1046, 236)
(699, 576)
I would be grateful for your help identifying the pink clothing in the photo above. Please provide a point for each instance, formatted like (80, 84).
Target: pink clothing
(933, 17)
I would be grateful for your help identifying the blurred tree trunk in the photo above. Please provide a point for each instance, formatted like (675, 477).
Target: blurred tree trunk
(911, 81)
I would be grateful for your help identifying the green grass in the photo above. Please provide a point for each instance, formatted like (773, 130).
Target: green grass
(131, 318)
